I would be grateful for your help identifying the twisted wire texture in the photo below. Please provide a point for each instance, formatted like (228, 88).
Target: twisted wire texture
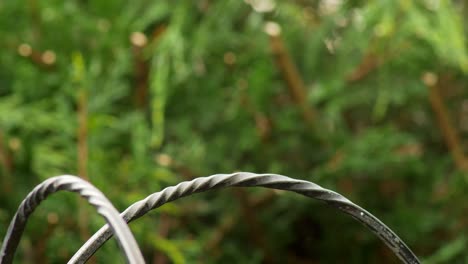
(73, 184)
(246, 179)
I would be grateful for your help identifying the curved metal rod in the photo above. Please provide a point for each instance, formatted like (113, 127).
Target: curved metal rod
(73, 184)
(246, 179)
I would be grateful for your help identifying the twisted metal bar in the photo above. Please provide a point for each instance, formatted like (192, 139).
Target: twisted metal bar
(245, 179)
(73, 184)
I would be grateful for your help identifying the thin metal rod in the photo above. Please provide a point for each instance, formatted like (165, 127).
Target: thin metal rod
(246, 179)
(73, 184)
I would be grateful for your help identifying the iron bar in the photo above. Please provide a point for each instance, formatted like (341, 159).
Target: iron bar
(245, 179)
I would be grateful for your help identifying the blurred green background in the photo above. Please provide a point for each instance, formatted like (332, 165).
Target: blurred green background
(367, 98)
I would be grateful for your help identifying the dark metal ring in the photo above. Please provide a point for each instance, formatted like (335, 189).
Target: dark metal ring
(245, 179)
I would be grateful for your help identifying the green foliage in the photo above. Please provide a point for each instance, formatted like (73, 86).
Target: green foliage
(179, 89)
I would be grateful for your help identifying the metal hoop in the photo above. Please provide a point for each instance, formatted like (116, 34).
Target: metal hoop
(75, 184)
